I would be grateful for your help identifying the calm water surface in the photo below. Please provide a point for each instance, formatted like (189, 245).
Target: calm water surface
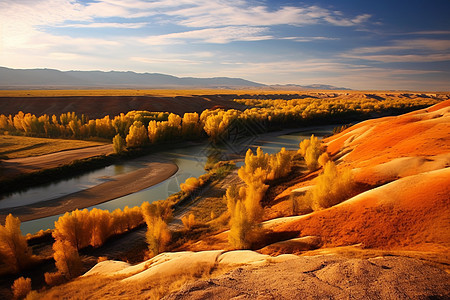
(190, 160)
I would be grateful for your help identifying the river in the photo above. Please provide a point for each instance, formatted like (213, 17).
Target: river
(190, 160)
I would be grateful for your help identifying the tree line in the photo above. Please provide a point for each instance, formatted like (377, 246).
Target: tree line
(141, 128)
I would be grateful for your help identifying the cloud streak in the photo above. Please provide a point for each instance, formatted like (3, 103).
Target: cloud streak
(211, 35)
(425, 50)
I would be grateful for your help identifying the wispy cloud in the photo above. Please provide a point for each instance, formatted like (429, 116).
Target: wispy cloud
(432, 32)
(425, 50)
(402, 58)
(211, 35)
(309, 38)
(234, 13)
(105, 25)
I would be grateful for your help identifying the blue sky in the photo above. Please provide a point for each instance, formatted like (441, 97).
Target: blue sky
(394, 44)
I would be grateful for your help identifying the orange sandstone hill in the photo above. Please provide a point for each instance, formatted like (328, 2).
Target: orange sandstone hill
(390, 241)
(404, 164)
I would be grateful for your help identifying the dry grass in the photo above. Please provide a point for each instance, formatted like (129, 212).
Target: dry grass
(19, 146)
(133, 92)
(103, 287)
(163, 92)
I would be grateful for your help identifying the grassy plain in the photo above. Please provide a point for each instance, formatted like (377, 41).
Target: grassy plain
(20, 146)
(124, 92)
(172, 92)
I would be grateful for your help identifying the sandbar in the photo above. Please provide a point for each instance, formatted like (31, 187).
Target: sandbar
(155, 171)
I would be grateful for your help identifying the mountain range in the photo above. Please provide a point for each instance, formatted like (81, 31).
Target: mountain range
(51, 78)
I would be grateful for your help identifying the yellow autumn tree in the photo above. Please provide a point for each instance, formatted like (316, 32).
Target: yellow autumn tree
(14, 250)
(191, 127)
(101, 226)
(118, 144)
(311, 150)
(137, 135)
(156, 216)
(67, 259)
(75, 228)
(241, 228)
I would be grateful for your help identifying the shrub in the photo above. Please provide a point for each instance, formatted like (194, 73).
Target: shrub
(323, 159)
(33, 295)
(190, 185)
(300, 203)
(21, 287)
(312, 153)
(53, 279)
(188, 221)
(14, 250)
(332, 187)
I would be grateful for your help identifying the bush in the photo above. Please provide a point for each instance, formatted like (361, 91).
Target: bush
(190, 185)
(21, 287)
(53, 279)
(301, 204)
(323, 159)
(33, 295)
(312, 153)
(332, 187)
(188, 221)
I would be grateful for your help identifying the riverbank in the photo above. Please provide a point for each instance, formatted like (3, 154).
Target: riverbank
(155, 171)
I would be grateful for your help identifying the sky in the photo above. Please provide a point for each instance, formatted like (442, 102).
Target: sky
(359, 44)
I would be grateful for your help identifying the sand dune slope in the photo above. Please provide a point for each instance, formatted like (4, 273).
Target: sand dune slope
(406, 160)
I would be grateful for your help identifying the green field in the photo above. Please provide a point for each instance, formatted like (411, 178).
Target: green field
(20, 146)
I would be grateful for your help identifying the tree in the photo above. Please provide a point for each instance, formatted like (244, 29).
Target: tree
(118, 144)
(191, 127)
(67, 259)
(240, 235)
(102, 226)
(311, 150)
(75, 228)
(158, 235)
(137, 135)
(14, 250)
